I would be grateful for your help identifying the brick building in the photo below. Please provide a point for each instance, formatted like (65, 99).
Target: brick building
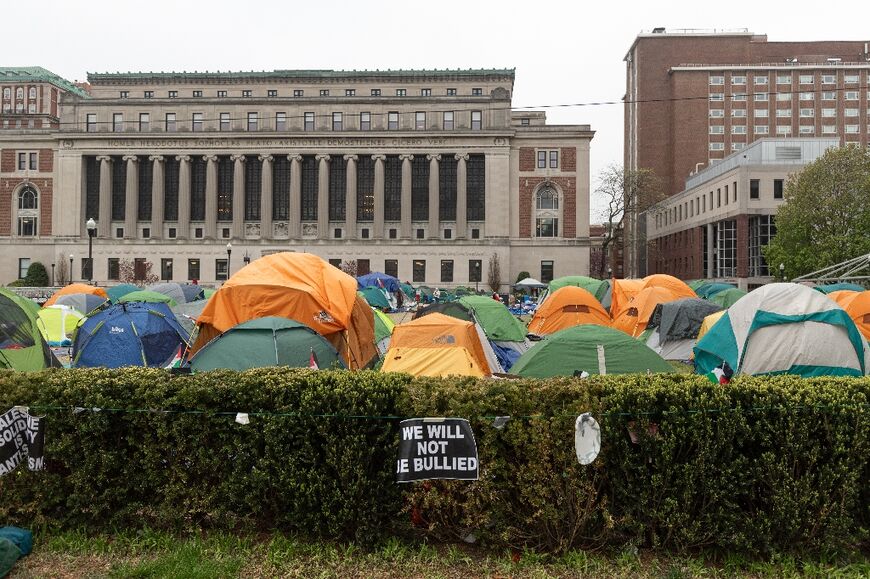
(423, 174)
(694, 97)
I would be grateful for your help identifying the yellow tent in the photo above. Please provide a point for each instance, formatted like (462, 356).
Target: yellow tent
(709, 322)
(58, 324)
(437, 345)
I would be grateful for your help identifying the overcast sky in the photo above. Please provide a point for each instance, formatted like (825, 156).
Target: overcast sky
(564, 52)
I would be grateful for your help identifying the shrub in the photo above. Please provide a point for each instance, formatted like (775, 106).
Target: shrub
(37, 276)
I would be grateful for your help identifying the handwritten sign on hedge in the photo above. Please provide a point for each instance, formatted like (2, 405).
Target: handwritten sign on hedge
(436, 448)
(22, 438)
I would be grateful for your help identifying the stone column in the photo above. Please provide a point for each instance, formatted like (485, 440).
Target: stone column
(406, 195)
(183, 196)
(104, 219)
(350, 197)
(709, 249)
(131, 202)
(322, 196)
(157, 194)
(211, 194)
(266, 197)
(434, 193)
(378, 222)
(238, 196)
(294, 226)
(461, 195)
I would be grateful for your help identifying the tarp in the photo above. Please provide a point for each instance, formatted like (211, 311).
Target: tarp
(147, 296)
(588, 348)
(784, 328)
(83, 303)
(58, 324)
(387, 282)
(621, 292)
(566, 307)
(128, 334)
(22, 346)
(76, 288)
(181, 293)
(675, 326)
(832, 287)
(636, 313)
(597, 287)
(117, 292)
(437, 345)
(858, 308)
(264, 342)
(296, 286)
(727, 298)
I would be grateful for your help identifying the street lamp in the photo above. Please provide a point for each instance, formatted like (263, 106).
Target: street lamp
(247, 258)
(92, 231)
(782, 271)
(70, 266)
(52, 275)
(609, 272)
(229, 253)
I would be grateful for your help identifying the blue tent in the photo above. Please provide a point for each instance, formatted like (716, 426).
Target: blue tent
(391, 284)
(131, 334)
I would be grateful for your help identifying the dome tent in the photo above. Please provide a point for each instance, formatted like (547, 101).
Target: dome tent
(858, 308)
(116, 292)
(82, 303)
(76, 288)
(378, 280)
(383, 331)
(566, 307)
(784, 328)
(181, 293)
(596, 287)
(58, 324)
(726, 298)
(22, 346)
(634, 316)
(147, 296)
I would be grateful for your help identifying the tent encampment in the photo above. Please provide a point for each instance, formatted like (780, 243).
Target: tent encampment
(677, 286)
(676, 325)
(58, 324)
(296, 286)
(588, 348)
(566, 307)
(634, 316)
(439, 345)
(784, 328)
(76, 288)
(22, 346)
(264, 342)
(376, 298)
(378, 280)
(129, 334)
(83, 303)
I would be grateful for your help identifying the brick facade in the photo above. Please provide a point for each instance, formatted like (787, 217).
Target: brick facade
(7, 161)
(528, 186)
(46, 160)
(7, 203)
(527, 159)
(569, 159)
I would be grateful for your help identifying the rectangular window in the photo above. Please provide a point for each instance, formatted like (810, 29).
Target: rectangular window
(717, 146)
(91, 123)
(783, 113)
(421, 233)
(740, 79)
(448, 120)
(32, 157)
(475, 270)
(807, 130)
(365, 121)
(783, 79)
(222, 94)
(807, 113)
(144, 122)
(717, 97)
(829, 95)
(451, 92)
(542, 159)
(754, 185)
(22, 161)
(760, 113)
(363, 267)
(850, 112)
(149, 94)
(851, 95)
(298, 93)
(420, 121)
(253, 122)
(280, 121)
(738, 129)
(477, 92)
(225, 121)
(717, 113)
(324, 92)
(114, 268)
(336, 263)
(829, 113)
(777, 188)
(376, 92)
(850, 78)
(337, 121)
(247, 94)
(391, 267)
(426, 92)
(783, 130)
(271, 93)
(829, 79)
(166, 268)
(117, 122)
(554, 159)
(726, 233)
(760, 97)
(170, 123)
(349, 92)
(309, 122)
(392, 121)
(419, 271)
(738, 96)
(173, 94)
(124, 94)
(446, 271)
(805, 79)
(760, 80)
(762, 228)
(476, 120)
(196, 123)
(400, 92)
(829, 129)
(807, 96)
(221, 271)
(717, 80)
(761, 129)
(717, 129)
(738, 113)
(851, 129)
(197, 94)
(546, 271)
(783, 96)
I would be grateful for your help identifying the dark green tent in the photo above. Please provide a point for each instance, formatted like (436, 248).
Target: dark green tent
(597, 287)
(586, 348)
(264, 342)
(727, 298)
(452, 309)
(497, 321)
(375, 297)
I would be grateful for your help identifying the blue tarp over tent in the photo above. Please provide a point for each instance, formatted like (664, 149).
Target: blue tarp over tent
(131, 334)
(391, 284)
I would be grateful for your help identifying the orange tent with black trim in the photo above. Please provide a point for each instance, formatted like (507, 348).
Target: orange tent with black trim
(567, 307)
(622, 290)
(858, 308)
(76, 288)
(300, 287)
(635, 315)
(677, 286)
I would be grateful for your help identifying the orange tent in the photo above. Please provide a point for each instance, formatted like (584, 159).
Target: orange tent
(858, 309)
(76, 288)
(679, 287)
(635, 315)
(622, 290)
(843, 297)
(567, 307)
(437, 345)
(300, 287)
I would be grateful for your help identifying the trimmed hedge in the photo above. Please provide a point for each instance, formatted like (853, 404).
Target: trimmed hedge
(760, 465)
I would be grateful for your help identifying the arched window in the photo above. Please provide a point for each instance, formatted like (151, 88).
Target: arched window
(19, 93)
(27, 199)
(28, 211)
(547, 212)
(7, 93)
(33, 92)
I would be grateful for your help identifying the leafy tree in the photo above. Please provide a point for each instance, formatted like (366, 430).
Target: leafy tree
(494, 277)
(36, 275)
(523, 275)
(825, 218)
(625, 194)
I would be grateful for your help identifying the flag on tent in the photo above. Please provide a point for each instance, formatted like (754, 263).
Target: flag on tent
(177, 357)
(381, 283)
(720, 374)
(312, 361)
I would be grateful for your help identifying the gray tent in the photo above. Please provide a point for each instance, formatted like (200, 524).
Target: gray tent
(186, 314)
(674, 327)
(181, 293)
(84, 303)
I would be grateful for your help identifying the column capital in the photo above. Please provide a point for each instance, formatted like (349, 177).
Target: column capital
(133, 158)
(351, 157)
(210, 158)
(294, 157)
(461, 156)
(183, 158)
(433, 156)
(156, 158)
(379, 157)
(104, 158)
(322, 157)
(266, 157)
(237, 158)
(406, 157)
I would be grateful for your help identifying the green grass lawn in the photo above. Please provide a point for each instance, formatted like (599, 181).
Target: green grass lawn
(152, 554)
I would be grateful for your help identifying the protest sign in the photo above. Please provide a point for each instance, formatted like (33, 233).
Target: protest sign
(436, 448)
(22, 438)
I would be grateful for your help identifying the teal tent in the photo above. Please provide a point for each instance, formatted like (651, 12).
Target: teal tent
(376, 297)
(707, 290)
(835, 287)
(115, 293)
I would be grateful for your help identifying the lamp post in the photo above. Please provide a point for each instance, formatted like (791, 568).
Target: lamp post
(247, 258)
(609, 272)
(92, 231)
(70, 266)
(229, 254)
(52, 275)
(782, 271)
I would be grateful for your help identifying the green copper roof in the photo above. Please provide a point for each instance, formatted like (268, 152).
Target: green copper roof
(38, 74)
(319, 73)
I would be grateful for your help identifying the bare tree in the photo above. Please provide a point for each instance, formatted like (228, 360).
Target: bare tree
(138, 273)
(625, 194)
(494, 277)
(349, 267)
(61, 270)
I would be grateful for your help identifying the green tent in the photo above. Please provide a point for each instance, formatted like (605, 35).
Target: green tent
(26, 303)
(147, 296)
(21, 344)
(375, 297)
(696, 283)
(727, 298)
(597, 287)
(264, 342)
(707, 290)
(383, 330)
(588, 348)
(117, 292)
(497, 321)
(408, 290)
(835, 287)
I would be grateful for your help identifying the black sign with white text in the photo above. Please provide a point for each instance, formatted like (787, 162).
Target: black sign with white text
(22, 439)
(436, 448)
